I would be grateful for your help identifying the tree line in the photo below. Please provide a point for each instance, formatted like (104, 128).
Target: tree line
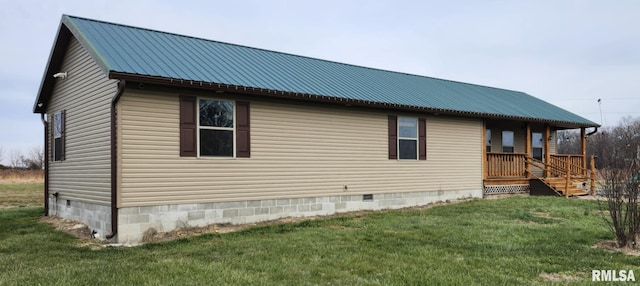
(613, 146)
(32, 159)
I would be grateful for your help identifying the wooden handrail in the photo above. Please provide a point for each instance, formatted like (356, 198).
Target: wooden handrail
(579, 169)
(542, 165)
(568, 171)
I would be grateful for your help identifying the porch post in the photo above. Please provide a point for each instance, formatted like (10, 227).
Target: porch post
(583, 149)
(527, 148)
(547, 155)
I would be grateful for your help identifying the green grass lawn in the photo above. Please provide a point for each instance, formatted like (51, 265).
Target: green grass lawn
(514, 241)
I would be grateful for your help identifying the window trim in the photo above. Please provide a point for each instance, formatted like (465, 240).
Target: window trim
(487, 141)
(513, 141)
(198, 128)
(58, 156)
(533, 147)
(416, 139)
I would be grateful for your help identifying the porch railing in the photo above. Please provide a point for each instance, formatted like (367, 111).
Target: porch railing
(514, 165)
(575, 163)
(506, 165)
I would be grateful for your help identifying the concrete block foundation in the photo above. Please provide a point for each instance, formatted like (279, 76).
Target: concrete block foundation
(134, 221)
(96, 217)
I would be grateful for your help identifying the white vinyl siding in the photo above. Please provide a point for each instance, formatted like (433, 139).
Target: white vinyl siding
(297, 150)
(85, 95)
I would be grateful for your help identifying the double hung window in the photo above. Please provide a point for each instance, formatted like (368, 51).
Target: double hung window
(216, 127)
(407, 138)
(488, 140)
(507, 141)
(58, 136)
(536, 145)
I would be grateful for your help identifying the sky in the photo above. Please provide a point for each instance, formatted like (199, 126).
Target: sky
(569, 53)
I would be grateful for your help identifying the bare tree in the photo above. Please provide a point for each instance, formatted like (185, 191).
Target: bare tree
(34, 159)
(16, 159)
(620, 161)
(568, 142)
(1, 153)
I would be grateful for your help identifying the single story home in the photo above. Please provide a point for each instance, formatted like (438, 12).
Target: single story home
(152, 130)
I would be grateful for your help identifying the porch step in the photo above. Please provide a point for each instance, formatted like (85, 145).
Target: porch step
(557, 186)
(539, 188)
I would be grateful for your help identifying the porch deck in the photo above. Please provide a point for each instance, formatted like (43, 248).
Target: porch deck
(564, 175)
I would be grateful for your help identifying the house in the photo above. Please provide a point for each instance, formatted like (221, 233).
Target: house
(147, 129)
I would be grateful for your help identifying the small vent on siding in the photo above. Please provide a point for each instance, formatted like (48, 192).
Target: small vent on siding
(367, 197)
(68, 203)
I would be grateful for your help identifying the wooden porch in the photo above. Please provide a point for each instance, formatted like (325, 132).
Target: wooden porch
(564, 175)
(548, 174)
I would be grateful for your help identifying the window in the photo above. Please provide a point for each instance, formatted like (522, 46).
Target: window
(210, 127)
(488, 139)
(507, 141)
(216, 128)
(58, 136)
(536, 145)
(408, 138)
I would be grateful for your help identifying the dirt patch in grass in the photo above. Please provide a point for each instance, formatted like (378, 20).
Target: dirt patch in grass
(342, 227)
(548, 216)
(612, 245)
(541, 218)
(543, 215)
(559, 278)
(77, 229)
(592, 198)
(504, 196)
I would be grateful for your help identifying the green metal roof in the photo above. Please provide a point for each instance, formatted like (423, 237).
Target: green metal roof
(121, 50)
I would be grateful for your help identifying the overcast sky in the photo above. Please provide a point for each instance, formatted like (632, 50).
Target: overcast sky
(569, 53)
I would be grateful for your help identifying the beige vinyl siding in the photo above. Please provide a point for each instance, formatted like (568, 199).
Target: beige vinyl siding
(85, 94)
(553, 143)
(519, 134)
(297, 150)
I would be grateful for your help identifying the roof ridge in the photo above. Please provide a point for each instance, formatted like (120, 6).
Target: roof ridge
(288, 54)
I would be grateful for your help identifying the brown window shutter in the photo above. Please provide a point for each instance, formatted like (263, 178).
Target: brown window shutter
(393, 137)
(188, 126)
(243, 142)
(63, 134)
(53, 139)
(422, 139)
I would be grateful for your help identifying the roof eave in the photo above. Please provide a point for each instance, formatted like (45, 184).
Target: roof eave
(328, 99)
(56, 56)
(66, 30)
